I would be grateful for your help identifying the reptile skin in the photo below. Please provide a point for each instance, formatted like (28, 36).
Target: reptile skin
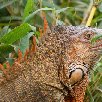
(57, 71)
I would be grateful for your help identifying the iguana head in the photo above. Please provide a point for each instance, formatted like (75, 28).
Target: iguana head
(82, 56)
(82, 48)
(82, 53)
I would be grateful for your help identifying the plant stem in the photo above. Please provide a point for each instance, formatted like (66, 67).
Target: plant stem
(91, 15)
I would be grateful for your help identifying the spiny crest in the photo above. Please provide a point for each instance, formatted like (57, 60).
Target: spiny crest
(45, 24)
(10, 72)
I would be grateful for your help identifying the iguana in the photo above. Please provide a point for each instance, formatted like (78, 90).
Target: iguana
(57, 71)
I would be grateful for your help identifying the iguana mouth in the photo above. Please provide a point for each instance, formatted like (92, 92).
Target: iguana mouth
(97, 45)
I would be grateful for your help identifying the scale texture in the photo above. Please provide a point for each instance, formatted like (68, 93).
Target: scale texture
(57, 71)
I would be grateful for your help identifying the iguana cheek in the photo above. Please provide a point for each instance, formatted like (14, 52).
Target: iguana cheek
(81, 49)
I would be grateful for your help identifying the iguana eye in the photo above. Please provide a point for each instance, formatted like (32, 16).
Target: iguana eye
(88, 35)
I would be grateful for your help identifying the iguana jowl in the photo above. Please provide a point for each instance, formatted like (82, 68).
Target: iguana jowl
(58, 70)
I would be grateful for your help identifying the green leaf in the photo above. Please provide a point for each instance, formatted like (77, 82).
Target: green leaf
(28, 8)
(24, 43)
(10, 18)
(6, 49)
(93, 40)
(10, 60)
(90, 95)
(59, 22)
(100, 7)
(32, 14)
(99, 90)
(16, 34)
(62, 10)
(7, 3)
(99, 64)
(5, 30)
(37, 34)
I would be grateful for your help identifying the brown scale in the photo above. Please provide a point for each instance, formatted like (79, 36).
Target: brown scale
(44, 76)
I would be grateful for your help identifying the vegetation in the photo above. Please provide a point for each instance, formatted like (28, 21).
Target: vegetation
(22, 19)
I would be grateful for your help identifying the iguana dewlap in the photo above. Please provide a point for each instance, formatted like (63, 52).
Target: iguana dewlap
(58, 70)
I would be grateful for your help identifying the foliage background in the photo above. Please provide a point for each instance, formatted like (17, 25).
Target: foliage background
(22, 19)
